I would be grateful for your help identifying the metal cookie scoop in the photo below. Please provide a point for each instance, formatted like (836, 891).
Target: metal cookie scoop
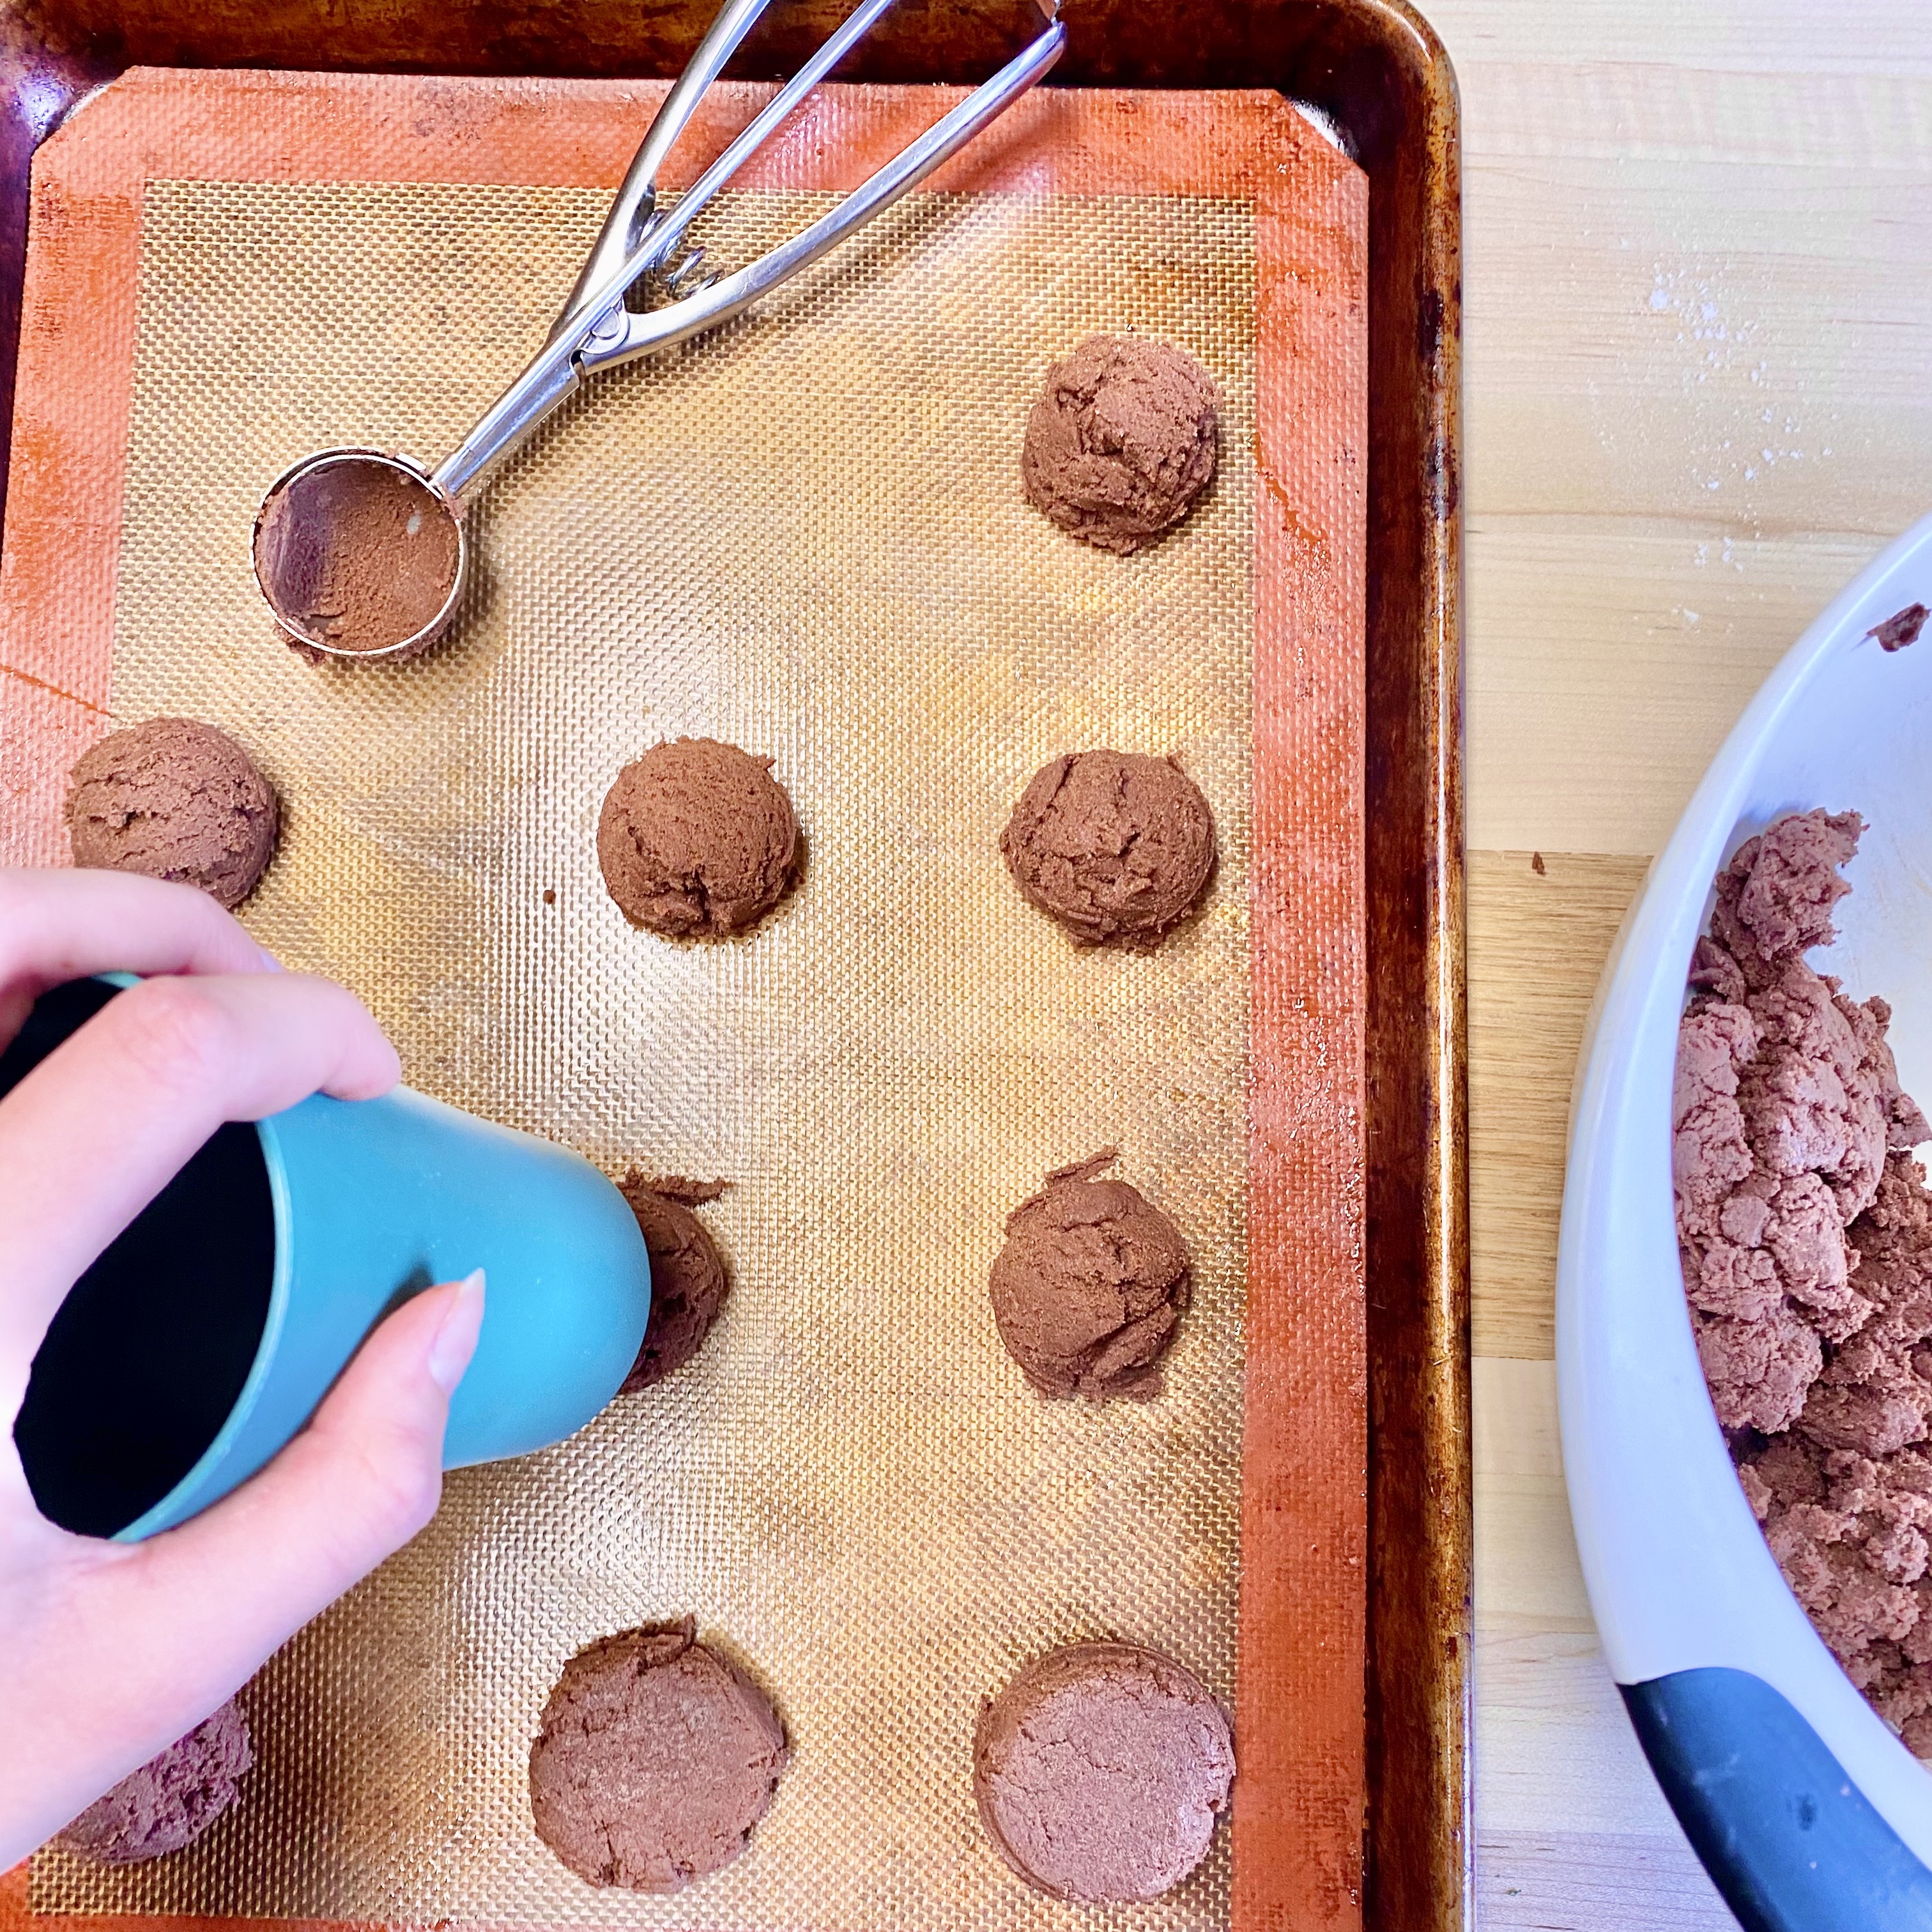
(362, 554)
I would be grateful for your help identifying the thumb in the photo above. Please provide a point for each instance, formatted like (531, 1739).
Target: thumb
(356, 1484)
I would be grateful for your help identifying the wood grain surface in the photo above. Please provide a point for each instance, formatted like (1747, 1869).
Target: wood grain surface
(1697, 240)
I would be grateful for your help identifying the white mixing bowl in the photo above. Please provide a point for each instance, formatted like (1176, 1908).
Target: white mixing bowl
(1786, 1791)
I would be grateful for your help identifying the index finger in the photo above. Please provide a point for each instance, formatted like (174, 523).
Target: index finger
(95, 1131)
(57, 925)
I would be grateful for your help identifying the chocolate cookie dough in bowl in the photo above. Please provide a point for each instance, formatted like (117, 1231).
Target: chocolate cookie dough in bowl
(1742, 1283)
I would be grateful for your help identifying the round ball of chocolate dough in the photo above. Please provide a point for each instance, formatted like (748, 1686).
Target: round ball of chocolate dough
(1118, 848)
(175, 798)
(1121, 442)
(1100, 1772)
(688, 1281)
(655, 1759)
(697, 838)
(1089, 1288)
(171, 1800)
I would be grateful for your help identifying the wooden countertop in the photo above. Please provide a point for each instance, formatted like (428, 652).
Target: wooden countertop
(1698, 389)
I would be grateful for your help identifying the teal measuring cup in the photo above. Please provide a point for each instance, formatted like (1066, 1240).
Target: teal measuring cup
(206, 1335)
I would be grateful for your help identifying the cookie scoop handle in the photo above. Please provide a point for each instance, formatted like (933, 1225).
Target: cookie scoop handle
(731, 294)
(597, 331)
(634, 206)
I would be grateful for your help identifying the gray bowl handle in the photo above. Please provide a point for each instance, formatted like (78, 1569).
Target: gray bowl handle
(1789, 1840)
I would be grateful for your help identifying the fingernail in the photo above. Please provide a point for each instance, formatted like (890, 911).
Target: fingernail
(270, 964)
(455, 1341)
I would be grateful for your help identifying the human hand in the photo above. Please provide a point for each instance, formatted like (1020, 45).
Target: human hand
(109, 1651)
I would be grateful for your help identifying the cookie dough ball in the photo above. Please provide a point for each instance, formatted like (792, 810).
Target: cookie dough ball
(175, 798)
(1117, 847)
(688, 1282)
(1090, 1287)
(697, 838)
(171, 1800)
(1121, 442)
(655, 1759)
(1100, 1772)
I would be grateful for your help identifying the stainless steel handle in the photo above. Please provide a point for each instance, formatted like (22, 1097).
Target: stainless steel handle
(678, 322)
(622, 234)
(597, 331)
(545, 382)
(667, 228)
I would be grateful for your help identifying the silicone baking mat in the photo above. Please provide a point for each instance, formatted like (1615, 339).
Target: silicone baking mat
(805, 535)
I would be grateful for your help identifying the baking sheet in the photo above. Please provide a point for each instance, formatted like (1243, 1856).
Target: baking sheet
(805, 535)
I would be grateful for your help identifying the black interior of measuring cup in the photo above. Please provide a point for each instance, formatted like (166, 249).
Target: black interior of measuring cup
(144, 1360)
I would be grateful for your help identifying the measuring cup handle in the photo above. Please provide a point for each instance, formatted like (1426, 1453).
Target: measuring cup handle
(636, 200)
